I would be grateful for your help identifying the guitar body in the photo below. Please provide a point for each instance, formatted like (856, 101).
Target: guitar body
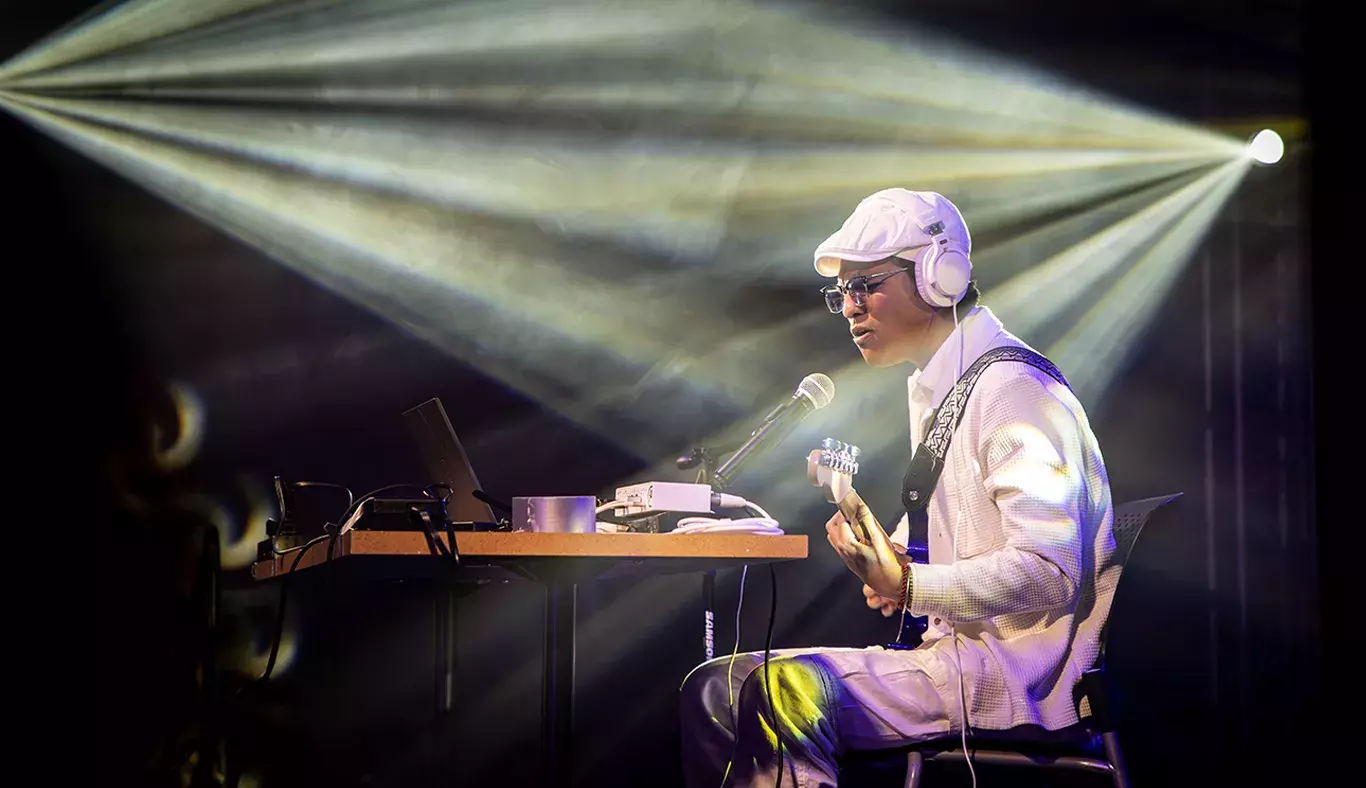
(917, 547)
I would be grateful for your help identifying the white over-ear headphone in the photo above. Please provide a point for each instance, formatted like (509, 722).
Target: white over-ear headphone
(944, 270)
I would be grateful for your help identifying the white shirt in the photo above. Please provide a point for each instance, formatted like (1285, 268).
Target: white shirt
(1021, 546)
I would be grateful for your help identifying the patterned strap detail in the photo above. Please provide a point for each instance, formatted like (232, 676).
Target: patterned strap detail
(923, 474)
(951, 409)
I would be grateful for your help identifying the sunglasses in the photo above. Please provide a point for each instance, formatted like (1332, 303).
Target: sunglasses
(856, 289)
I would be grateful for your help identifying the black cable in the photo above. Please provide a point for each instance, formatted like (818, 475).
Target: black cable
(350, 503)
(350, 498)
(232, 774)
(350, 510)
(280, 610)
(450, 537)
(434, 542)
(331, 537)
(454, 551)
(333, 534)
(768, 687)
(405, 486)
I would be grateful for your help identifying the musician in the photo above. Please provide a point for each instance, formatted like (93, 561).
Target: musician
(1019, 529)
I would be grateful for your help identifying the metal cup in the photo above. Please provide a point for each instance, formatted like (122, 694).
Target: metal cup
(560, 514)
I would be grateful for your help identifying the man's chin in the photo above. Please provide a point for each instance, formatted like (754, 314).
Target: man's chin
(876, 357)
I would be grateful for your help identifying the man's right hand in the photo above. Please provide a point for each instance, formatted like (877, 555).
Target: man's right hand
(877, 602)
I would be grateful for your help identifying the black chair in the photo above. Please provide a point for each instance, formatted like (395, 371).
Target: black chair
(1092, 745)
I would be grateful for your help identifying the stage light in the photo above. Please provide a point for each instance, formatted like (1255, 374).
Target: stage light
(1266, 147)
(1097, 347)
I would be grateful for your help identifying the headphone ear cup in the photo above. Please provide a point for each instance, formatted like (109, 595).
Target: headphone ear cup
(952, 273)
(942, 276)
(925, 276)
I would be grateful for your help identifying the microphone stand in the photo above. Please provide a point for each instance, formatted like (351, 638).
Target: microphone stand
(718, 475)
(709, 458)
(706, 459)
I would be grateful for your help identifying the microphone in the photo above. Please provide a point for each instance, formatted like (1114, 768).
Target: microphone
(815, 392)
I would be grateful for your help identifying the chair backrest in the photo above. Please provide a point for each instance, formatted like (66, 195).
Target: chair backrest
(1129, 521)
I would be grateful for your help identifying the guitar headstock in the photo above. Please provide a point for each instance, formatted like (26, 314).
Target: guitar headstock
(832, 468)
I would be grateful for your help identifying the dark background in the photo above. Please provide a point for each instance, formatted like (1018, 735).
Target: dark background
(114, 292)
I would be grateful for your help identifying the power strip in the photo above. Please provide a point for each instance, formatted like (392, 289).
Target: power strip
(650, 497)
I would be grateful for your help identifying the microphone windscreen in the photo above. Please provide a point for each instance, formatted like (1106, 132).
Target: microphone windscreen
(818, 388)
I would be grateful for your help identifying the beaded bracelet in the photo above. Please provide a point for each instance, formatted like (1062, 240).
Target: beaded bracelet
(905, 584)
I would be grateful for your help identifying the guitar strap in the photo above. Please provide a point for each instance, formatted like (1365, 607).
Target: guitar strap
(928, 461)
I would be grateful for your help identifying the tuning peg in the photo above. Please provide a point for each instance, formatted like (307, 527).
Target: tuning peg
(853, 450)
(830, 444)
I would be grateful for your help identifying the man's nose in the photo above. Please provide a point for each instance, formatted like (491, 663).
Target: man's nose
(850, 309)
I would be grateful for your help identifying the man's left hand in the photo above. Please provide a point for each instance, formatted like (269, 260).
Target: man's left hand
(876, 563)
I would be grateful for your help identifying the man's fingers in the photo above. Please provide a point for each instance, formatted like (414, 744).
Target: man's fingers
(876, 601)
(846, 531)
(833, 526)
(880, 539)
(838, 531)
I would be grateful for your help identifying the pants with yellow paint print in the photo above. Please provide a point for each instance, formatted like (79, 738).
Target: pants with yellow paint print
(828, 701)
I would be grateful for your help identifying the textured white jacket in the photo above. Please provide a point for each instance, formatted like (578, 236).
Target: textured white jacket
(1021, 548)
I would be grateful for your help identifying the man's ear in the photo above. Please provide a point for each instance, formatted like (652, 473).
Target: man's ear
(920, 304)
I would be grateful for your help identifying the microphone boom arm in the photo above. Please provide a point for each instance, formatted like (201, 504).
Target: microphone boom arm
(771, 432)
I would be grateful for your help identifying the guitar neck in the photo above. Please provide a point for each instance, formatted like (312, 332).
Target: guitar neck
(859, 515)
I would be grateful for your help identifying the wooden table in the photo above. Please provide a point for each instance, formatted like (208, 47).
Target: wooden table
(559, 562)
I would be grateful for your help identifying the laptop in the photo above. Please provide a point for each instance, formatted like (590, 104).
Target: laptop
(447, 462)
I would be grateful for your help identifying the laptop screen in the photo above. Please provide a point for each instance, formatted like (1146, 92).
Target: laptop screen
(446, 461)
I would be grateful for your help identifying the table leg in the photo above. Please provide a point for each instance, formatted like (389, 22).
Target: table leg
(445, 631)
(557, 711)
(708, 614)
